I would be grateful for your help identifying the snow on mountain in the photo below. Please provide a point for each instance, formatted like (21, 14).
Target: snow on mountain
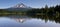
(21, 5)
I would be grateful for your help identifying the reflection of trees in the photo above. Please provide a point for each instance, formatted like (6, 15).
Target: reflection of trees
(50, 18)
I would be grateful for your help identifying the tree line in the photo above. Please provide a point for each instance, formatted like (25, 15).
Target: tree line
(54, 10)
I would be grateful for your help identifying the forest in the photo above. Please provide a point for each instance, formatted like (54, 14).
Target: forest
(54, 10)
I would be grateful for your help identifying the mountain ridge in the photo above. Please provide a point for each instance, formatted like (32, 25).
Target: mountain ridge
(19, 7)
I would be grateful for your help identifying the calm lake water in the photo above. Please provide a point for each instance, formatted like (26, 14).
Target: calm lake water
(24, 21)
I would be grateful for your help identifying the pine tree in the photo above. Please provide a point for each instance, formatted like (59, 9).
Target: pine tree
(46, 9)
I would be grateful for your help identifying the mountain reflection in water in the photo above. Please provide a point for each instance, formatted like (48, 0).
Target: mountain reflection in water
(21, 20)
(32, 21)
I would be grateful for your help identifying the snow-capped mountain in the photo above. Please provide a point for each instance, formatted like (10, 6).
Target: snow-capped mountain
(21, 5)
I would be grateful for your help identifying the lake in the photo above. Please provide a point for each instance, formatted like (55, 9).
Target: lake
(25, 21)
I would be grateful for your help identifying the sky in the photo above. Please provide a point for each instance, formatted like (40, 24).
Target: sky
(31, 3)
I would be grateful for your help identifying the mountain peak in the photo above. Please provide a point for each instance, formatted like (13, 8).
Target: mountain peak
(21, 5)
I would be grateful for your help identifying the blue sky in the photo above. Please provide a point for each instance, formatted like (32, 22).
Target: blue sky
(31, 3)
